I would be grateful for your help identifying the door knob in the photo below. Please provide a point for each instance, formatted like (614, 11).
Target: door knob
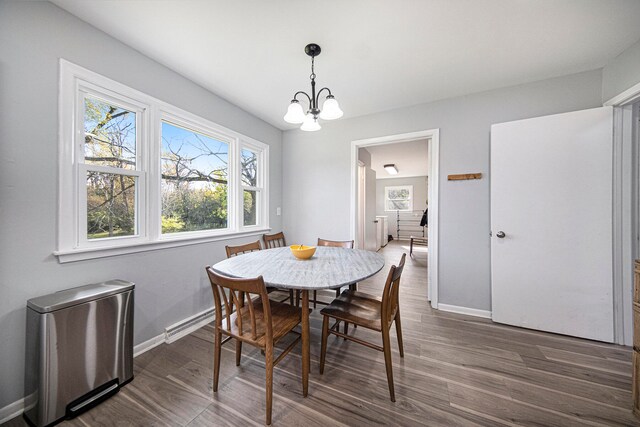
(500, 235)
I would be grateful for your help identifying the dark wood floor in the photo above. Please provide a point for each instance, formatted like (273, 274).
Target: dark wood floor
(457, 371)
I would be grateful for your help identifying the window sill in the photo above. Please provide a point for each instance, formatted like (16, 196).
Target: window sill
(104, 252)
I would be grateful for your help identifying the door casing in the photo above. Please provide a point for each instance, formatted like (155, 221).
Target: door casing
(433, 135)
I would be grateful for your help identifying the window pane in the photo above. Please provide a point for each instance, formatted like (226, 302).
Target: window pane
(250, 207)
(111, 201)
(249, 161)
(109, 135)
(393, 205)
(398, 193)
(194, 180)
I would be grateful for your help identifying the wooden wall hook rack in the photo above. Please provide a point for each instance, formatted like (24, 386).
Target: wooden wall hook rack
(464, 176)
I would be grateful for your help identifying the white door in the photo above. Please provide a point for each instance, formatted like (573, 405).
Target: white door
(551, 196)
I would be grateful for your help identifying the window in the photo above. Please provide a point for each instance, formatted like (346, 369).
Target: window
(195, 178)
(251, 185)
(137, 173)
(398, 198)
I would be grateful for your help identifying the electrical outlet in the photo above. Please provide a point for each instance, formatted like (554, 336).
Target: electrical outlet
(278, 211)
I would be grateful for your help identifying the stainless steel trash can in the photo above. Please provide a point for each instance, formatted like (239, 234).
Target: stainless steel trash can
(79, 349)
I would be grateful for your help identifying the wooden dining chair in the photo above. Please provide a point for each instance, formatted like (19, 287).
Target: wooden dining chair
(256, 321)
(242, 249)
(251, 247)
(336, 244)
(274, 240)
(368, 311)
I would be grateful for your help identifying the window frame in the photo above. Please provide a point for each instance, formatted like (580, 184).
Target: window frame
(398, 187)
(260, 188)
(75, 84)
(84, 90)
(178, 118)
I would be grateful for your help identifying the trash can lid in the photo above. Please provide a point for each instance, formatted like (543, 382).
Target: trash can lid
(79, 295)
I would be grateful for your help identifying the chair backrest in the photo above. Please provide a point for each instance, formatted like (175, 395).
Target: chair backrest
(249, 247)
(391, 292)
(238, 290)
(336, 243)
(274, 240)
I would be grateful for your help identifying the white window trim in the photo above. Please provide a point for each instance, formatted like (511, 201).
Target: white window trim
(71, 246)
(261, 188)
(398, 187)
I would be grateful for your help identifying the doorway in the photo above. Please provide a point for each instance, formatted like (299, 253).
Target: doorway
(431, 137)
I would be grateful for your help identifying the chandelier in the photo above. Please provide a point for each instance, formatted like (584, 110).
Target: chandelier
(330, 108)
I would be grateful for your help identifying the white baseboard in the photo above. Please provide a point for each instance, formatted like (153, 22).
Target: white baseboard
(465, 310)
(171, 334)
(11, 411)
(186, 326)
(148, 345)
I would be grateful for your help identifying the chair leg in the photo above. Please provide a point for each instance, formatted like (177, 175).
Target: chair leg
(386, 345)
(323, 346)
(338, 292)
(238, 352)
(297, 298)
(399, 333)
(268, 359)
(346, 329)
(315, 298)
(216, 358)
(354, 287)
(291, 296)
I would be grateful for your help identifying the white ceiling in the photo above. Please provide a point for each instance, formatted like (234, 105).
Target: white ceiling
(410, 159)
(377, 55)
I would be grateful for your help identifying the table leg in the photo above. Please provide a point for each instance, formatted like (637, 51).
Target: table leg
(305, 342)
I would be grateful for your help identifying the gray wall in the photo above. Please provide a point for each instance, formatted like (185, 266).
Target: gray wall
(170, 283)
(419, 198)
(621, 73)
(316, 174)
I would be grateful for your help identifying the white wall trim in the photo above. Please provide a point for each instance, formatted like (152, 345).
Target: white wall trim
(625, 202)
(12, 410)
(465, 310)
(629, 96)
(617, 226)
(192, 323)
(84, 254)
(433, 135)
(147, 345)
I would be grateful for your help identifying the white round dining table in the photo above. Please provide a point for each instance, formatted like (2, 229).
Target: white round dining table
(328, 268)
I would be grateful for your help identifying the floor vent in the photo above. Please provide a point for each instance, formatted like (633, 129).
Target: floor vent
(179, 330)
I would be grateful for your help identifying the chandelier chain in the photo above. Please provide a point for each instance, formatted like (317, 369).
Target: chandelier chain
(313, 73)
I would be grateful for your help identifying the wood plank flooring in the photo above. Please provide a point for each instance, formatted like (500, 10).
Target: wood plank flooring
(457, 371)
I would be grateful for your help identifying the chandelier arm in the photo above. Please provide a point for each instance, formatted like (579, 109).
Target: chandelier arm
(319, 92)
(301, 92)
